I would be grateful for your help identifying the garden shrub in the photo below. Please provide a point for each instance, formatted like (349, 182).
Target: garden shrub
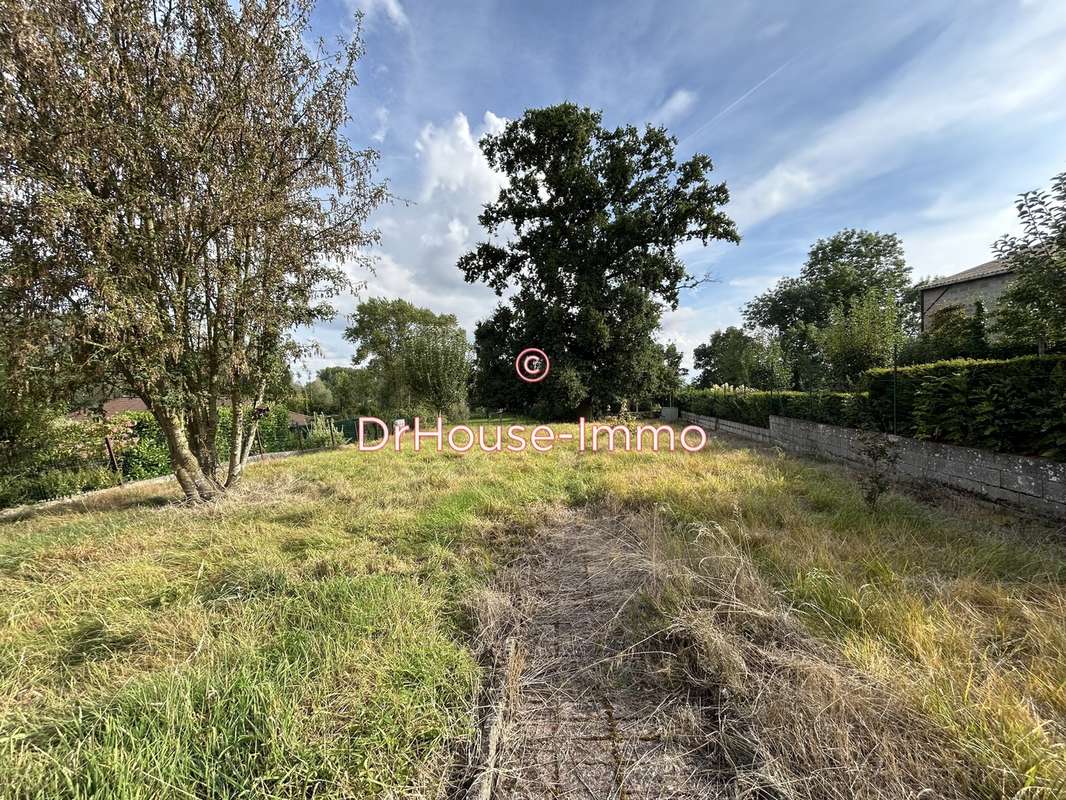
(1016, 405)
(274, 431)
(63, 456)
(878, 385)
(68, 456)
(145, 454)
(1010, 407)
(318, 433)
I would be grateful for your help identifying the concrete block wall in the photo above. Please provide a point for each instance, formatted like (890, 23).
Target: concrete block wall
(1033, 484)
(751, 432)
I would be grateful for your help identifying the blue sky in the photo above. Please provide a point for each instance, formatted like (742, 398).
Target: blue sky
(923, 119)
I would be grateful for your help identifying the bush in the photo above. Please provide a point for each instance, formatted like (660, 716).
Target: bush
(274, 431)
(145, 454)
(68, 456)
(753, 407)
(18, 489)
(878, 385)
(319, 433)
(56, 456)
(1016, 405)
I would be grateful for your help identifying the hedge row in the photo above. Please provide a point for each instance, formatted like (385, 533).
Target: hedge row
(755, 407)
(897, 409)
(1015, 405)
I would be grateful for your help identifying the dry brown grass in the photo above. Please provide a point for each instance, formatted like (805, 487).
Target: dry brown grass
(792, 718)
(840, 651)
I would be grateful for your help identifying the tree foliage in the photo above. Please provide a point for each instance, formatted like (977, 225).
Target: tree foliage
(735, 357)
(865, 336)
(839, 271)
(176, 187)
(1032, 310)
(953, 333)
(319, 397)
(352, 391)
(437, 363)
(596, 216)
(673, 375)
(417, 360)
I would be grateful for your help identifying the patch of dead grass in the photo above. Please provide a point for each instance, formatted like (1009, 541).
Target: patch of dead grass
(792, 718)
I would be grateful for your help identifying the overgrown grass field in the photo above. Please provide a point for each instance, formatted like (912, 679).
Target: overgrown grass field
(309, 635)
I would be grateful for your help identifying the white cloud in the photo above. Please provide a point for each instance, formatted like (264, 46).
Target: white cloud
(389, 8)
(422, 241)
(397, 280)
(381, 116)
(952, 244)
(758, 283)
(961, 82)
(453, 161)
(689, 326)
(773, 30)
(676, 106)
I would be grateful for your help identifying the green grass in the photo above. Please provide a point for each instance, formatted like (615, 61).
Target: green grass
(308, 636)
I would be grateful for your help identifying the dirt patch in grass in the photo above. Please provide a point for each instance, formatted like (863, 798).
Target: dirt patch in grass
(581, 722)
(646, 672)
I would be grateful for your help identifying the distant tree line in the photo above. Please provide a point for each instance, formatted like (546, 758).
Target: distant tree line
(852, 308)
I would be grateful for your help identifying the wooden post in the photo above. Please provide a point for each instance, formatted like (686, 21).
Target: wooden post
(259, 441)
(332, 433)
(112, 459)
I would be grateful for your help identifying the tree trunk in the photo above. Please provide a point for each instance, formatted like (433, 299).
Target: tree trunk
(236, 441)
(202, 430)
(197, 487)
(241, 441)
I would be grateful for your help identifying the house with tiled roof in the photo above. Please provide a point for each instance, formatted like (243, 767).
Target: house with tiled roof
(984, 283)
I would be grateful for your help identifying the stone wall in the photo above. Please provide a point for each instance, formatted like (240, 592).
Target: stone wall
(1033, 484)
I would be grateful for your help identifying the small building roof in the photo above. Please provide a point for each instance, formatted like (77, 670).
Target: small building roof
(986, 270)
(120, 405)
(109, 408)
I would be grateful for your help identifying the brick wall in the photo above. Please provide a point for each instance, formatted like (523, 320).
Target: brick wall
(1033, 484)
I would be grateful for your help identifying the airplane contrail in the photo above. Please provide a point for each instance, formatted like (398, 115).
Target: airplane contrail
(737, 102)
